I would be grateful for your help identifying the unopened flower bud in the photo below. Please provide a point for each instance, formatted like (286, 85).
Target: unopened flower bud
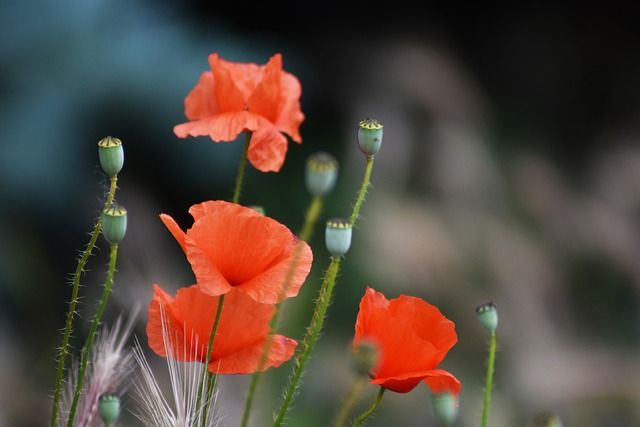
(369, 136)
(488, 315)
(337, 236)
(321, 173)
(114, 223)
(109, 409)
(111, 155)
(365, 357)
(546, 419)
(445, 408)
(259, 209)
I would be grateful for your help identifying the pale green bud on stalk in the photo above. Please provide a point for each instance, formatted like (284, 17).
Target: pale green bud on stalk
(546, 419)
(369, 136)
(365, 357)
(445, 408)
(337, 236)
(111, 155)
(321, 173)
(259, 209)
(109, 409)
(488, 316)
(114, 223)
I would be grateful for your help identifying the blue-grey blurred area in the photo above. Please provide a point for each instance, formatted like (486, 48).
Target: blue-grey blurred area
(509, 171)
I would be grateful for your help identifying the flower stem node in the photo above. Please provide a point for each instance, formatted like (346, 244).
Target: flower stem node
(321, 173)
(369, 136)
(114, 223)
(337, 236)
(488, 315)
(445, 408)
(109, 409)
(365, 357)
(111, 155)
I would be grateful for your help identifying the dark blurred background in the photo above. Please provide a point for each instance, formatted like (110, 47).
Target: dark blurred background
(509, 172)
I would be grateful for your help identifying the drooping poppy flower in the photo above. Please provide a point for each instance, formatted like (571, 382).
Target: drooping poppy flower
(231, 246)
(411, 337)
(240, 337)
(238, 97)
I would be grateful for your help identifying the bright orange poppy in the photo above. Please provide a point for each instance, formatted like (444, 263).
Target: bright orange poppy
(240, 337)
(411, 337)
(238, 97)
(231, 246)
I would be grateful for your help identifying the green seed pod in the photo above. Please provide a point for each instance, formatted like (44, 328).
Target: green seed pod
(109, 409)
(445, 408)
(365, 357)
(111, 155)
(488, 315)
(259, 209)
(114, 223)
(546, 419)
(337, 236)
(369, 136)
(321, 173)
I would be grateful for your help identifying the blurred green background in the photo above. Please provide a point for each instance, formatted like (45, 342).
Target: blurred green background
(509, 172)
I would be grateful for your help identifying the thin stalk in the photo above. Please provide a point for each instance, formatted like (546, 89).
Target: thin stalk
(369, 412)
(350, 402)
(92, 332)
(207, 377)
(82, 262)
(243, 163)
(313, 331)
(489, 383)
(363, 190)
(311, 218)
(275, 320)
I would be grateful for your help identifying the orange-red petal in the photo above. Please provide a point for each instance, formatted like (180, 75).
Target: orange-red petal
(245, 97)
(265, 98)
(412, 338)
(240, 337)
(175, 230)
(231, 246)
(267, 149)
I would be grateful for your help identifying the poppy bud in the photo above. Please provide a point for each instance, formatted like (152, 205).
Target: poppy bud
(547, 419)
(488, 315)
(445, 408)
(114, 223)
(111, 155)
(259, 209)
(109, 409)
(337, 236)
(321, 173)
(369, 136)
(365, 357)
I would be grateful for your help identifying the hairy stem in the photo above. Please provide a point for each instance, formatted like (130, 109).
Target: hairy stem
(92, 332)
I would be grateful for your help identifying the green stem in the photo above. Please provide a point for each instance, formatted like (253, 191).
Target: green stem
(489, 383)
(84, 258)
(92, 332)
(363, 191)
(369, 412)
(310, 220)
(243, 163)
(350, 402)
(313, 331)
(208, 377)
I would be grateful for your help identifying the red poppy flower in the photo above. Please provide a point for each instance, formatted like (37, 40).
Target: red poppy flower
(237, 97)
(231, 246)
(412, 337)
(240, 336)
